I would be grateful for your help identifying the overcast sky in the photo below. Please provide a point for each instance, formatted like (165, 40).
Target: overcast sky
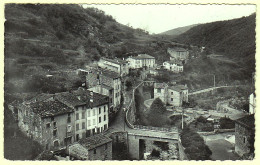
(160, 18)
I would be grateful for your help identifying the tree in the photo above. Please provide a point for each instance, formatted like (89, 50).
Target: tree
(128, 84)
(157, 113)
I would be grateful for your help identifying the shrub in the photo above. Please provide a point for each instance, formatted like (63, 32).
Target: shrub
(226, 123)
(155, 153)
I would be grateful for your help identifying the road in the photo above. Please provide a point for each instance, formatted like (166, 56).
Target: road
(208, 89)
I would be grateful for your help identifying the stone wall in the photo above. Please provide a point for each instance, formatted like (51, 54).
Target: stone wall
(242, 136)
(120, 145)
(103, 152)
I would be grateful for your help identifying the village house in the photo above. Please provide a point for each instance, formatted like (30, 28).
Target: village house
(173, 66)
(179, 54)
(141, 61)
(160, 91)
(91, 111)
(171, 94)
(252, 105)
(116, 65)
(244, 133)
(99, 147)
(108, 79)
(49, 122)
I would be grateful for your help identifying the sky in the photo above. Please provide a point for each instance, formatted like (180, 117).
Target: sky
(160, 18)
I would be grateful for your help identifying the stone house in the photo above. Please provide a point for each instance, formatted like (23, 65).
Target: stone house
(244, 131)
(160, 91)
(49, 122)
(171, 94)
(177, 95)
(116, 65)
(141, 61)
(179, 54)
(99, 147)
(173, 66)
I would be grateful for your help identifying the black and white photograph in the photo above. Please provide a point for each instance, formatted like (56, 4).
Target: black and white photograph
(168, 82)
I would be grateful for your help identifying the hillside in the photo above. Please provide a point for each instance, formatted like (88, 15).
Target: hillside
(233, 38)
(57, 39)
(178, 31)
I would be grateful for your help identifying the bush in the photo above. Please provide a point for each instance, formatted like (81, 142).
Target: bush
(155, 153)
(226, 123)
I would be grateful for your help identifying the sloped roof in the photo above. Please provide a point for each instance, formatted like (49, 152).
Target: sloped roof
(78, 151)
(247, 121)
(95, 141)
(160, 85)
(50, 108)
(116, 60)
(178, 49)
(143, 56)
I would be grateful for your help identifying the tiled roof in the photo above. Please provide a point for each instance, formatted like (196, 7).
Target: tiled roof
(247, 121)
(116, 60)
(50, 108)
(160, 85)
(143, 56)
(70, 99)
(98, 99)
(81, 97)
(177, 49)
(95, 141)
(40, 97)
(78, 151)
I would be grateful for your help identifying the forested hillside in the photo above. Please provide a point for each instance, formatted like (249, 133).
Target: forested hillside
(233, 38)
(43, 38)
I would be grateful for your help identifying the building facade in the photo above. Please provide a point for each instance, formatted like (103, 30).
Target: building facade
(48, 122)
(160, 91)
(116, 65)
(244, 133)
(178, 54)
(108, 79)
(141, 61)
(173, 66)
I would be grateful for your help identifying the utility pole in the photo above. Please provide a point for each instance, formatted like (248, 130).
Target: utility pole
(182, 119)
(214, 80)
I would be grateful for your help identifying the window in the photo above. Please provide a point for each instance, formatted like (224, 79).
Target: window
(104, 108)
(77, 137)
(77, 127)
(105, 126)
(54, 124)
(94, 113)
(83, 125)
(94, 122)
(89, 123)
(104, 117)
(88, 113)
(69, 118)
(95, 151)
(244, 140)
(48, 125)
(99, 119)
(171, 99)
(77, 116)
(171, 93)
(158, 90)
(83, 115)
(99, 110)
(52, 118)
(55, 133)
(69, 128)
